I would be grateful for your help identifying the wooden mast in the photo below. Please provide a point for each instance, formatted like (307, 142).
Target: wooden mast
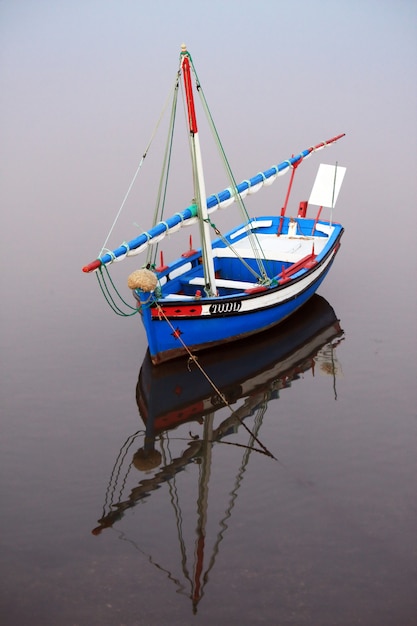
(199, 186)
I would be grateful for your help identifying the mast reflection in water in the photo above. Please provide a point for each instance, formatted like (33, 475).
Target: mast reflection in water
(177, 396)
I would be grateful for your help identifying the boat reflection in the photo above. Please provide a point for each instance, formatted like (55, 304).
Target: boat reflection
(177, 396)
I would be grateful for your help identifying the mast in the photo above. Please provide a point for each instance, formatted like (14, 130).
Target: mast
(198, 175)
(202, 506)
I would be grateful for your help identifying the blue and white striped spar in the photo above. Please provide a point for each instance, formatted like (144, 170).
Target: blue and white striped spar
(216, 201)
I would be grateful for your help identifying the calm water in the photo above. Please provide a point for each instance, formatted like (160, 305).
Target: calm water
(195, 524)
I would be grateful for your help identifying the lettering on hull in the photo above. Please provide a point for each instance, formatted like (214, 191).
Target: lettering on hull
(225, 307)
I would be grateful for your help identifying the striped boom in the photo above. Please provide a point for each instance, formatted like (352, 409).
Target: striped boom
(225, 197)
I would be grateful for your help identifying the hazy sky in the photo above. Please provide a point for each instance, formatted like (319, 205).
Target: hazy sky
(82, 83)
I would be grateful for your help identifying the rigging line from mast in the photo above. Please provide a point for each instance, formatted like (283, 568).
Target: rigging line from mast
(259, 255)
(163, 183)
(264, 278)
(333, 193)
(137, 169)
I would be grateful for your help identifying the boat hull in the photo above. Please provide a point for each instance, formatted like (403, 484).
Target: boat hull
(175, 393)
(173, 328)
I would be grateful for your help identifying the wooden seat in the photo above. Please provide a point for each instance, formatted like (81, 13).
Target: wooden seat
(226, 283)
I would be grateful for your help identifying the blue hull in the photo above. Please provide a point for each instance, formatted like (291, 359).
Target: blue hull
(174, 392)
(175, 326)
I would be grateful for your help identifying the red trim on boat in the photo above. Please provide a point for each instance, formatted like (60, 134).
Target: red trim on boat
(192, 120)
(94, 265)
(307, 262)
(191, 310)
(257, 289)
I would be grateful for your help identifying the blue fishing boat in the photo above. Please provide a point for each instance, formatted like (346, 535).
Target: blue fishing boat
(178, 392)
(238, 283)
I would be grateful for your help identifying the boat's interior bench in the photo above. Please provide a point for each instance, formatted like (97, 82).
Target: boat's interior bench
(241, 285)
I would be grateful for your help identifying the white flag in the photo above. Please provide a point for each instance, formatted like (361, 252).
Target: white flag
(327, 185)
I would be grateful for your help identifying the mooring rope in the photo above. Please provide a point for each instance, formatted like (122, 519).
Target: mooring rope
(116, 309)
(192, 357)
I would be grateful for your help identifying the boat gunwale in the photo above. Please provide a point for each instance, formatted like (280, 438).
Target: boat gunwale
(168, 305)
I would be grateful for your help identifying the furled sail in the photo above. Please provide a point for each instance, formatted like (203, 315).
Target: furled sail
(189, 215)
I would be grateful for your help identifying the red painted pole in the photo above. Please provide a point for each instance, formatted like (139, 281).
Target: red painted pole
(192, 120)
(284, 208)
(326, 143)
(316, 220)
(94, 265)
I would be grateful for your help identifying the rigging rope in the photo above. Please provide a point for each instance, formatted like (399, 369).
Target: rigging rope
(163, 182)
(263, 279)
(138, 168)
(251, 236)
(101, 279)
